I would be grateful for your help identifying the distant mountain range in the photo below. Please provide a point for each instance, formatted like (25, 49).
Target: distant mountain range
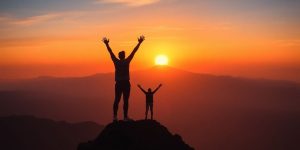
(209, 111)
(31, 133)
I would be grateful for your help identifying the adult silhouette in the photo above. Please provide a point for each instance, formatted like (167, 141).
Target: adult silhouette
(122, 77)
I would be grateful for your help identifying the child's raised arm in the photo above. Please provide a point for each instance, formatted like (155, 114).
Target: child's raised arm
(157, 88)
(141, 88)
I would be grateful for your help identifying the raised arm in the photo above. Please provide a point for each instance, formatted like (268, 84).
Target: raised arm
(141, 88)
(157, 88)
(140, 41)
(112, 55)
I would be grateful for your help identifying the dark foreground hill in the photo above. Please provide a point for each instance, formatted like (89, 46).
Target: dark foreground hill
(30, 133)
(136, 135)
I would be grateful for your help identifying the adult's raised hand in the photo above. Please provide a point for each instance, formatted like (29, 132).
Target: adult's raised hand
(141, 38)
(105, 40)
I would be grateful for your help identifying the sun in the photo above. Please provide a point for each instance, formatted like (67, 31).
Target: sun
(161, 60)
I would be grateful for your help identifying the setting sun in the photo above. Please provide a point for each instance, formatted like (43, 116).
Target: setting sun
(161, 60)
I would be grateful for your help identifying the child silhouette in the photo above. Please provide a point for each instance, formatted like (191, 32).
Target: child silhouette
(149, 100)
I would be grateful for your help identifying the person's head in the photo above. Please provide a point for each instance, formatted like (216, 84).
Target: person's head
(149, 90)
(122, 55)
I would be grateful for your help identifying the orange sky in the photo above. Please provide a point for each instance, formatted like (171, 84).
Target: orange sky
(196, 36)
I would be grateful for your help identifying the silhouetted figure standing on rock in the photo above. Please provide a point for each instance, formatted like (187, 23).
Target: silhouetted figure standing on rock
(149, 100)
(122, 77)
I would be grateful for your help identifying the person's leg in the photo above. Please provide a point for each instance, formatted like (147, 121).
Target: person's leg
(146, 113)
(126, 95)
(118, 94)
(151, 109)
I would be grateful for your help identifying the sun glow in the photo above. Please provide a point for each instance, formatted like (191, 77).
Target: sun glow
(161, 60)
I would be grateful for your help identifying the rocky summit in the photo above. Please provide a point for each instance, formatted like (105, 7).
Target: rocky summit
(136, 135)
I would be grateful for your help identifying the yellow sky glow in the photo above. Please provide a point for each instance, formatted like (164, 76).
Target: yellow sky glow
(199, 43)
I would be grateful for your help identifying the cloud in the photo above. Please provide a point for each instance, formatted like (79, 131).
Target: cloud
(43, 18)
(28, 20)
(288, 43)
(130, 2)
(35, 19)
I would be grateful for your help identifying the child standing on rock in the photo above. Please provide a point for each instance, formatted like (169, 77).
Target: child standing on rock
(149, 99)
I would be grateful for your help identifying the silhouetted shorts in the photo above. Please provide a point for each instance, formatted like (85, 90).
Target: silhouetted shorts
(149, 104)
(149, 101)
(122, 87)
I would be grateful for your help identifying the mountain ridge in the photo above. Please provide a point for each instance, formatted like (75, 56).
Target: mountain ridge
(33, 133)
(157, 68)
(135, 135)
(211, 103)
